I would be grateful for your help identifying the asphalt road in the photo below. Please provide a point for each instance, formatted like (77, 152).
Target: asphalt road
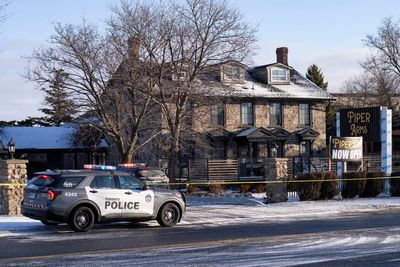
(364, 239)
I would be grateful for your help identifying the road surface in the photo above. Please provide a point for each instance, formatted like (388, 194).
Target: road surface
(354, 239)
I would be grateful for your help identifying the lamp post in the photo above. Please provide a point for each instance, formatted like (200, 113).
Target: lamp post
(274, 150)
(11, 148)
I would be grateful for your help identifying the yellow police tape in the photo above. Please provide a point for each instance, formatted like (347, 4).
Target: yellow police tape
(256, 182)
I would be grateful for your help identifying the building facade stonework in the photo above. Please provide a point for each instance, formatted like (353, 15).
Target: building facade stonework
(266, 107)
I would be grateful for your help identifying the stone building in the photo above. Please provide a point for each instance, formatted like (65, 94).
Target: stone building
(258, 109)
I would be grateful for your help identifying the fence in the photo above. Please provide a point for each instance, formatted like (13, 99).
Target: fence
(230, 169)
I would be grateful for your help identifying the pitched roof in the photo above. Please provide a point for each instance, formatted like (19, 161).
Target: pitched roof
(42, 137)
(299, 88)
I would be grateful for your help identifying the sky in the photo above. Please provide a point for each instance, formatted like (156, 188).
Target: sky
(328, 33)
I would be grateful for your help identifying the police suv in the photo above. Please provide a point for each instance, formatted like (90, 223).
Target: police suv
(98, 194)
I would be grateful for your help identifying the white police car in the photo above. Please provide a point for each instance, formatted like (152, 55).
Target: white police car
(98, 194)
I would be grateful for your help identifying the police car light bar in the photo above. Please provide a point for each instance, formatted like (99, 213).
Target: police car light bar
(132, 165)
(98, 167)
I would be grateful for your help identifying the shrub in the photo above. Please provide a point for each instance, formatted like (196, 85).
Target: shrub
(329, 188)
(395, 184)
(309, 190)
(244, 188)
(354, 188)
(373, 187)
(217, 189)
(191, 188)
(259, 188)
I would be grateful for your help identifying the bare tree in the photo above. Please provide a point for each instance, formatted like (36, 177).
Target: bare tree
(182, 40)
(379, 82)
(3, 14)
(103, 78)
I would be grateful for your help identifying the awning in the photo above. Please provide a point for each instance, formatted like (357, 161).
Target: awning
(307, 134)
(255, 134)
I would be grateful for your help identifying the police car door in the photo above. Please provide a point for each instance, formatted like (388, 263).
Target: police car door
(104, 192)
(137, 201)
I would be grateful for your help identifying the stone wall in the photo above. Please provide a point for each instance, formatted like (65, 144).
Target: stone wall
(232, 116)
(12, 171)
(261, 115)
(276, 171)
(318, 116)
(290, 116)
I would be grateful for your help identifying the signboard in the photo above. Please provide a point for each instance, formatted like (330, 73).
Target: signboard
(364, 122)
(346, 149)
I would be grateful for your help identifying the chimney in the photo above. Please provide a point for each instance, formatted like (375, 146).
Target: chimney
(282, 55)
(133, 47)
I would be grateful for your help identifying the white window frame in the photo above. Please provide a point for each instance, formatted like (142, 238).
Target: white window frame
(283, 77)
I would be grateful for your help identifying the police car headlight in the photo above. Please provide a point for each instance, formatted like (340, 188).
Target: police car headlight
(177, 194)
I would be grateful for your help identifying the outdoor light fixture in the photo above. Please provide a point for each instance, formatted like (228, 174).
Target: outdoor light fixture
(11, 148)
(274, 150)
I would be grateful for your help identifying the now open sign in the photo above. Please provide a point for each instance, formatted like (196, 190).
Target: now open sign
(346, 148)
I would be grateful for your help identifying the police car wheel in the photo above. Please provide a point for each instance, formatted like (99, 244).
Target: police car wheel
(49, 223)
(82, 219)
(168, 215)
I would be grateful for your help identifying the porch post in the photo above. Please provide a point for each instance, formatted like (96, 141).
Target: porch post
(251, 158)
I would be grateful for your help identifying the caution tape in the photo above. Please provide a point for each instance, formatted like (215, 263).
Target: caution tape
(256, 182)
(283, 181)
(13, 184)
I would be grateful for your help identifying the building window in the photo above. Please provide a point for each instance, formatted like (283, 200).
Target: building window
(188, 118)
(247, 113)
(305, 148)
(278, 75)
(275, 118)
(181, 73)
(304, 114)
(217, 115)
(232, 73)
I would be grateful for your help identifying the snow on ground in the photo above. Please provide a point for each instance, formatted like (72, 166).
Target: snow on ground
(213, 211)
(287, 211)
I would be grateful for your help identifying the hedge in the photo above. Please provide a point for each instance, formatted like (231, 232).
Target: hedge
(317, 190)
(395, 185)
(354, 188)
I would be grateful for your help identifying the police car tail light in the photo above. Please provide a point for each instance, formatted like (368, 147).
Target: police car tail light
(98, 167)
(45, 177)
(51, 195)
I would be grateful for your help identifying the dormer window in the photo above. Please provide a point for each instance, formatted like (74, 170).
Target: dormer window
(181, 73)
(232, 73)
(279, 75)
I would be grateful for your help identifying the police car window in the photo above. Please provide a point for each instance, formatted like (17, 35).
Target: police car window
(70, 182)
(103, 182)
(128, 182)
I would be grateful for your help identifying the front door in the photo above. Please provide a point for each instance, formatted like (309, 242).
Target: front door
(104, 192)
(137, 201)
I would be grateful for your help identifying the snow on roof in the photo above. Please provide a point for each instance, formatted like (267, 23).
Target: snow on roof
(41, 137)
(299, 88)
(247, 132)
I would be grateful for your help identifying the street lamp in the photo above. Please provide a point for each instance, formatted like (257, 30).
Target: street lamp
(11, 148)
(274, 150)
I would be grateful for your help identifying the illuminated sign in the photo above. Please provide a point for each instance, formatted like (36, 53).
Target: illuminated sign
(346, 148)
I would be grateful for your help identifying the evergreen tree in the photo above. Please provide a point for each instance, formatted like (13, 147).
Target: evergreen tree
(59, 107)
(315, 75)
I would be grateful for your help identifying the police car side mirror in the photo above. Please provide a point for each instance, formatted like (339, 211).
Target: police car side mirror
(146, 187)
